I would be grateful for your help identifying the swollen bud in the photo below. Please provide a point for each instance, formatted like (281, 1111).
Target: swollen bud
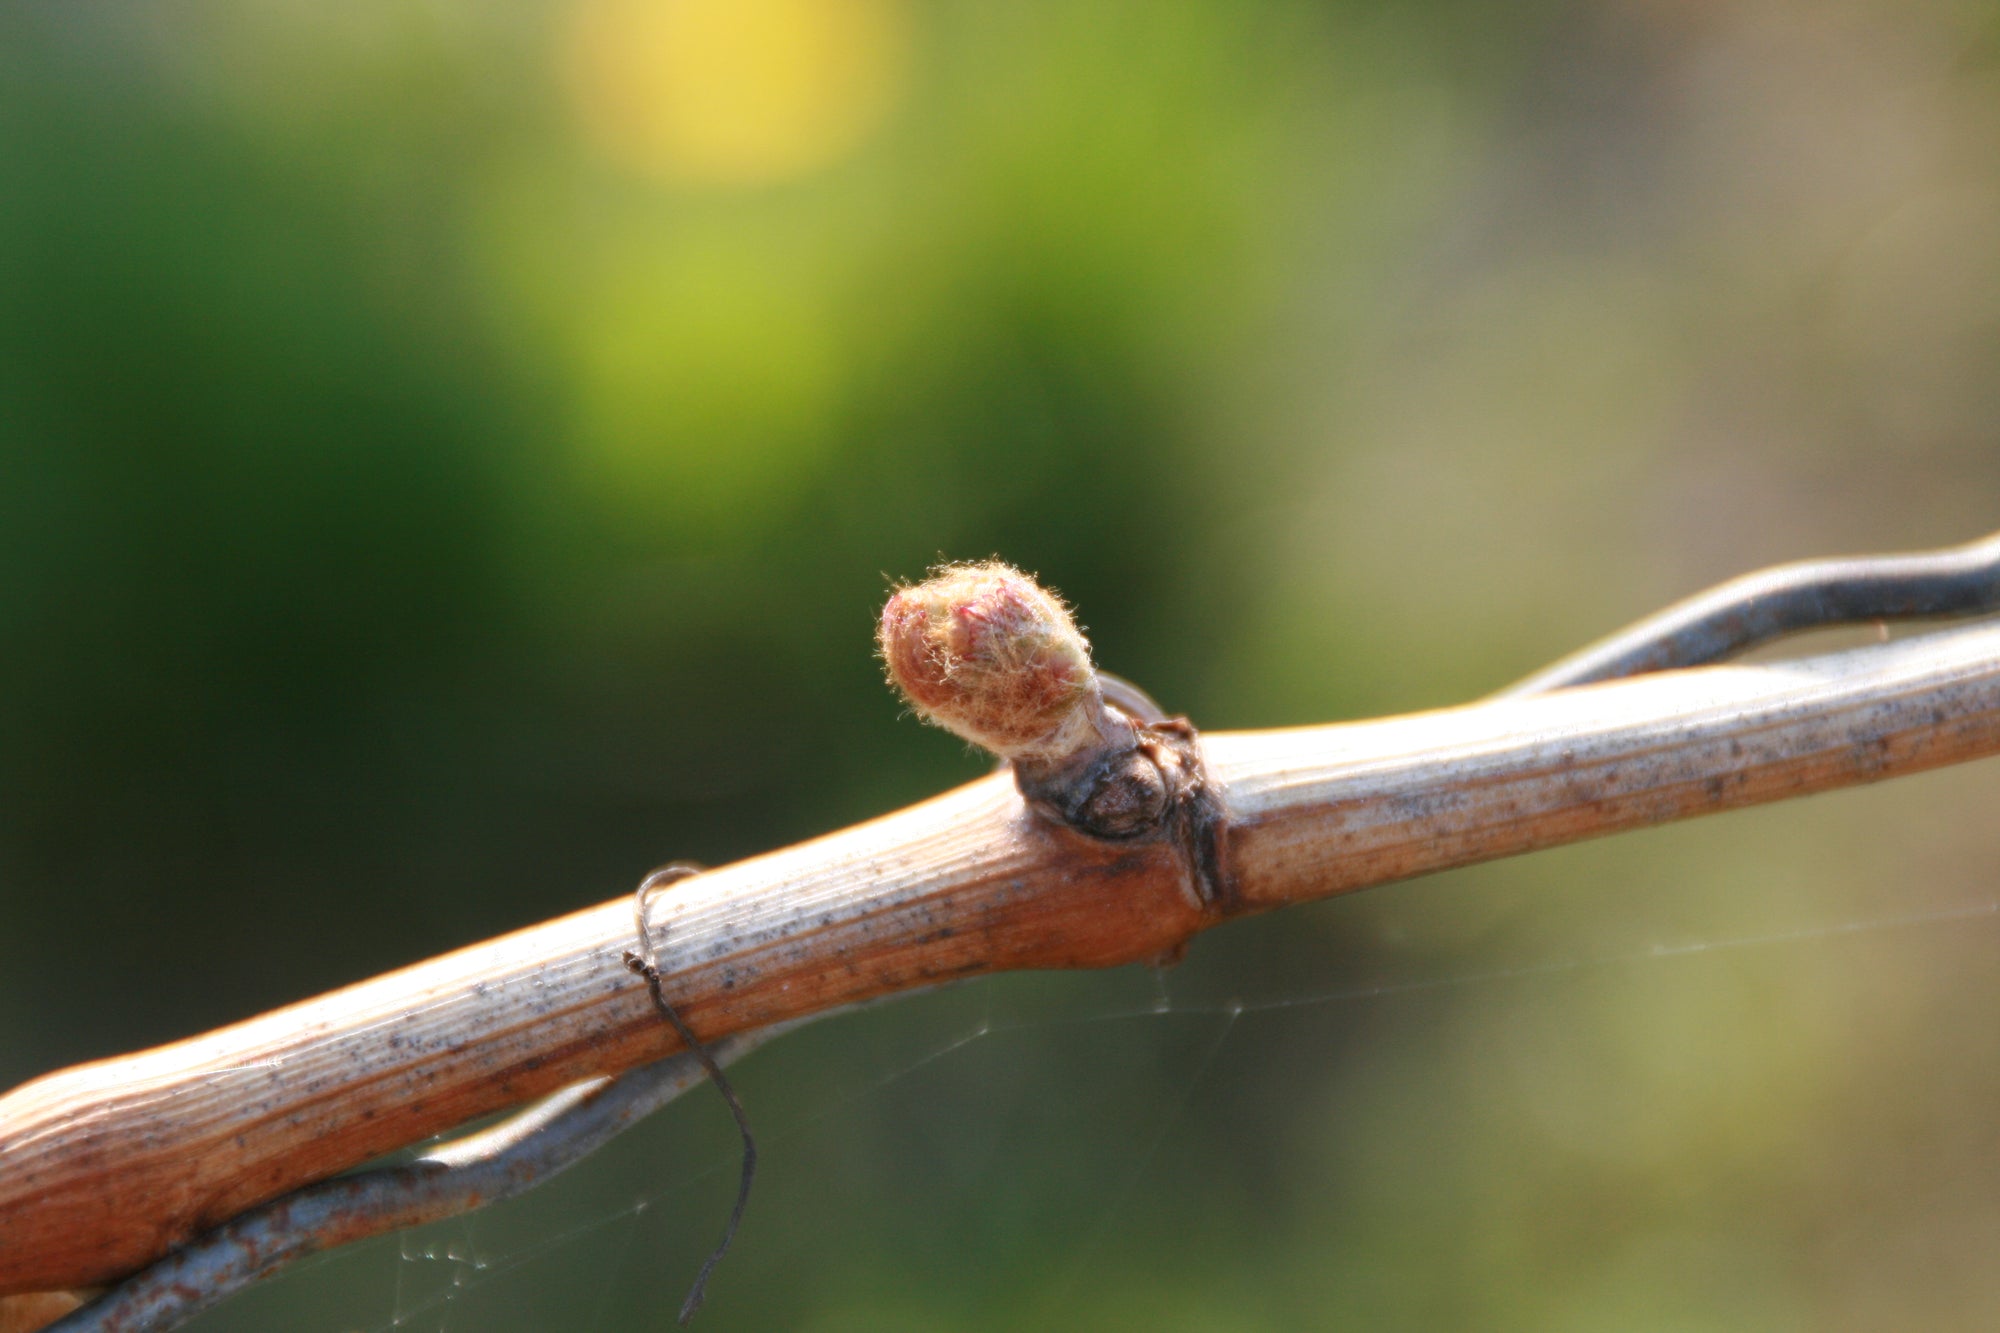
(984, 652)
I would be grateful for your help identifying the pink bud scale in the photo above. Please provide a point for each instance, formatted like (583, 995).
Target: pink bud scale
(986, 653)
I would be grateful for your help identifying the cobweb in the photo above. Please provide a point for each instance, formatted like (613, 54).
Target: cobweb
(1583, 1090)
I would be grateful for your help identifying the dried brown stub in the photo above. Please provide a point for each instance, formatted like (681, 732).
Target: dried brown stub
(985, 652)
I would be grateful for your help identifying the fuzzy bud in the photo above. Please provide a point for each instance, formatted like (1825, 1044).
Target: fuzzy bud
(984, 652)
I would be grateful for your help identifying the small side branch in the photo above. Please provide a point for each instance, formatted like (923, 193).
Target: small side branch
(480, 1169)
(1770, 604)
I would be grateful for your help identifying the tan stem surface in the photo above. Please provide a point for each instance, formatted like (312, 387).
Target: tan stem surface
(104, 1167)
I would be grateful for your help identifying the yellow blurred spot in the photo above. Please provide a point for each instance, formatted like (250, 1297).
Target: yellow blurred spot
(708, 375)
(733, 92)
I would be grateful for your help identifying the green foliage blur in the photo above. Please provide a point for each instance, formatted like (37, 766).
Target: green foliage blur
(451, 456)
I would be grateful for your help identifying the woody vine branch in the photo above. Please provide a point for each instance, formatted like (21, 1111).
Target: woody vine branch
(105, 1167)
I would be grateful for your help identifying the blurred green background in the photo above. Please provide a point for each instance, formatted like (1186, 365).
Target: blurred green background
(451, 455)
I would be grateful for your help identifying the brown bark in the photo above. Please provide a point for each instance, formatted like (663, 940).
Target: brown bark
(104, 1167)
